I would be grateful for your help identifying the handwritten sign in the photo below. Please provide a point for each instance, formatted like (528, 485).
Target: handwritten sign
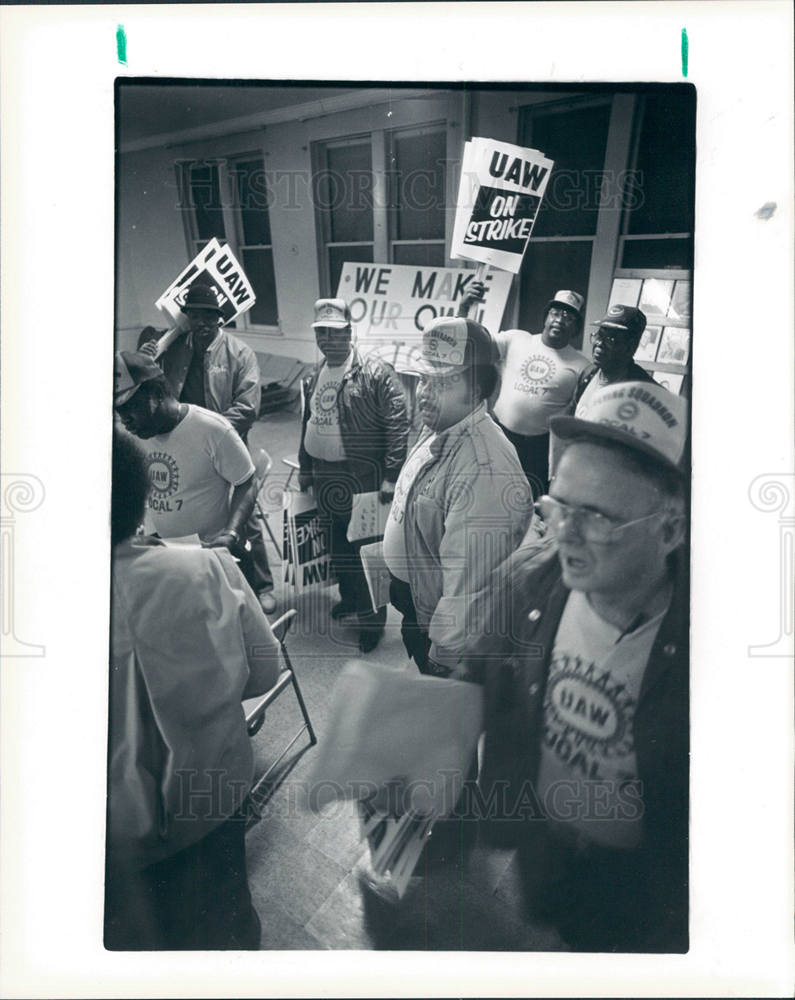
(498, 200)
(391, 304)
(368, 517)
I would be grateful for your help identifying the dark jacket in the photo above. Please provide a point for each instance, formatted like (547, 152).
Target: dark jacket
(373, 419)
(634, 374)
(527, 607)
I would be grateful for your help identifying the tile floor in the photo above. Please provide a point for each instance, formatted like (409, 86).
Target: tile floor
(304, 869)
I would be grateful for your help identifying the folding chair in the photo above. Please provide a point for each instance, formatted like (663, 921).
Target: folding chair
(264, 787)
(263, 464)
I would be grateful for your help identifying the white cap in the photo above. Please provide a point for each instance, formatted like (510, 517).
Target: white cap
(640, 415)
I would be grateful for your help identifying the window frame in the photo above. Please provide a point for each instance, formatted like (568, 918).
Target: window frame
(384, 212)
(233, 225)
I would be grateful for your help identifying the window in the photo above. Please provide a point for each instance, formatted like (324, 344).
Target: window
(560, 249)
(417, 197)
(343, 197)
(658, 222)
(401, 223)
(227, 198)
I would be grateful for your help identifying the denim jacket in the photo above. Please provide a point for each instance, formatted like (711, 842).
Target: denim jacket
(467, 510)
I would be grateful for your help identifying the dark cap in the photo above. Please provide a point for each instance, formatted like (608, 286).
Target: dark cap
(628, 318)
(130, 370)
(452, 343)
(202, 297)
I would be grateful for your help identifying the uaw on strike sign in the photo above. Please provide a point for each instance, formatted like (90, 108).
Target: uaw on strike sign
(498, 200)
(217, 266)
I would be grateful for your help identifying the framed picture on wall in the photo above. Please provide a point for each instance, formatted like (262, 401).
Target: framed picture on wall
(649, 342)
(625, 291)
(680, 302)
(655, 297)
(674, 345)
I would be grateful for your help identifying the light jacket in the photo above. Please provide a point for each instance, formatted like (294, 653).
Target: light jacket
(231, 375)
(188, 643)
(524, 609)
(466, 511)
(373, 421)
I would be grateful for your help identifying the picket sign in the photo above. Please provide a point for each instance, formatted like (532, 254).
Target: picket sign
(306, 554)
(213, 265)
(499, 196)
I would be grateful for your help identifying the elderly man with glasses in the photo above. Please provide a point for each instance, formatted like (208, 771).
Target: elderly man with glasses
(613, 345)
(585, 765)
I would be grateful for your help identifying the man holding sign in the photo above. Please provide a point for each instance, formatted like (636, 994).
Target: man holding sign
(539, 376)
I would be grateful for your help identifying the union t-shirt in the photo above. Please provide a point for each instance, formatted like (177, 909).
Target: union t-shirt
(193, 470)
(538, 382)
(323, 438)
(588, 776)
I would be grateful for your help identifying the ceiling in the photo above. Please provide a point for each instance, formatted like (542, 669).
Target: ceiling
(147, 110)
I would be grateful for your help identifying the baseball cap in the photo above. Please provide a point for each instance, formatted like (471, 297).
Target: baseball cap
(201, 297)
(332, 312)
(640, 415)
(130, 370)
(572, 300)
(624, 318)
(453, 343)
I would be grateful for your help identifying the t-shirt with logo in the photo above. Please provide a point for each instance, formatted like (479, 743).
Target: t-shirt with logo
(193, 470)
(394, 531)
(588, 776)
(538, 382)
(323, 438)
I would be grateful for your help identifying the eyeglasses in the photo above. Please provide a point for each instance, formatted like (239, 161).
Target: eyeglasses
(589, 524)
(610, 339)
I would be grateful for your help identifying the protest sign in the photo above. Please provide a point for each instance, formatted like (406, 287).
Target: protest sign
(368, 517)
(214, 265)
(306, 554)
(376, 572)
(391, 304)
(499, 196)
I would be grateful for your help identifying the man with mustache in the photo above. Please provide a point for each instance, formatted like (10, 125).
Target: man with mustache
(614, 343)
(461, 503)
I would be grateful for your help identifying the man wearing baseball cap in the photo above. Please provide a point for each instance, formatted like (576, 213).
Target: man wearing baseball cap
(614, 342)
(209, 367)
(539, 372)
(461, 503)
(201, 473)
(354, 435)
(587, 682)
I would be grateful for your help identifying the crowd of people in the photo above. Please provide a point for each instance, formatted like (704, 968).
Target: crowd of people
(535, 541)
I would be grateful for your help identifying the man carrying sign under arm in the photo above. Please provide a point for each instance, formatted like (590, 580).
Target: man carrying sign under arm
(539, 375)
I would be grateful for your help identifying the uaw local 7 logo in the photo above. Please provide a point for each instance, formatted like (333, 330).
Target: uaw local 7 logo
(637, 406)
(164, 477)
(537, 372)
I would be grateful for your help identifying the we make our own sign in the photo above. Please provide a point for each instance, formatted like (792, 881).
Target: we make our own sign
(498, 200)
(391, 304)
